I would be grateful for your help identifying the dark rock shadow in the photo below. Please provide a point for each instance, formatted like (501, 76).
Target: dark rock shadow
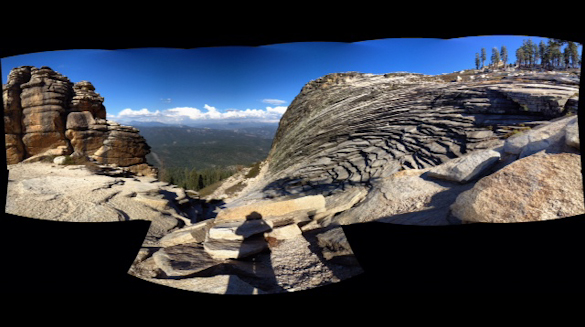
(297, 187)
(343, 267)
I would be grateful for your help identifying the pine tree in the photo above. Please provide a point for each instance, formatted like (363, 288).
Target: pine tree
(543, 53)
(477, 61)
(554, 54)
(504, 55)
(527, 46)
(192, 179)
(535, 54)
(495, 57)
(573, 54)
(520, 56)
(200, 183)
(483, 57)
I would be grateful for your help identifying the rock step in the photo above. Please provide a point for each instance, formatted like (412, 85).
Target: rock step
(262, 209)
(221, 249)
(238, 230)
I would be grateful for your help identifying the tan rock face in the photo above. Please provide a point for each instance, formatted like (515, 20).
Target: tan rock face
(85, 142)
(537, 187)
(86, 99)
(37, 143)
(123, 146)
(44, 112)
(44, 100)
(14, 148)
(263, 209)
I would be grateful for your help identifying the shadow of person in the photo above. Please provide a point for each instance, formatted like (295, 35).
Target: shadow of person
(253, 269)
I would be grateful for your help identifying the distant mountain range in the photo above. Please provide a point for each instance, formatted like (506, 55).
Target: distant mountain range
(205, 147)
(220, 124)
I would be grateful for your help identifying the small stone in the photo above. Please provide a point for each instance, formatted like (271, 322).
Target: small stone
(60, 160)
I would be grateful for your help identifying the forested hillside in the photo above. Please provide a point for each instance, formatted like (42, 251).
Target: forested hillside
(194, 158)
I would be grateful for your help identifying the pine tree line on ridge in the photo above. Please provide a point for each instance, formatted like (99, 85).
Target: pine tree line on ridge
(550, 55)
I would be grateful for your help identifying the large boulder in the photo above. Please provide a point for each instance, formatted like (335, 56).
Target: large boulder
(538, 187)
(79, 120)
(86, 99)
(123, 146)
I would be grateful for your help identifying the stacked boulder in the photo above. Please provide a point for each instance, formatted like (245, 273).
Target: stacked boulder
(235, 241)
(123, 146)
(46, 114)
(86, 99)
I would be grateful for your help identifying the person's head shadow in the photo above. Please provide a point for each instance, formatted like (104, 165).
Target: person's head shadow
(254, 215)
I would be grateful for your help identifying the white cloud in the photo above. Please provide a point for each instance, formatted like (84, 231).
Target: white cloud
(137, 113)
(190, 114)
(275, 102)
(279, 110)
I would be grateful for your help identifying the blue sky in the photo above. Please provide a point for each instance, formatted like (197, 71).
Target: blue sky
(253, 83)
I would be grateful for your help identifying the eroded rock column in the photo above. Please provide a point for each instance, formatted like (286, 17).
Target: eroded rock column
(13, 114)
(44, 101)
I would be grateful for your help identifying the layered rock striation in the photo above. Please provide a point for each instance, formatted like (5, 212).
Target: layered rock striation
(45, 113)
(410, 144)
(350, 128)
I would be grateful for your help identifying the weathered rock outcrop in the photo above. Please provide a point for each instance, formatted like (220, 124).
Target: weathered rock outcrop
(85, 99)
(349, 130)
(45, 113)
